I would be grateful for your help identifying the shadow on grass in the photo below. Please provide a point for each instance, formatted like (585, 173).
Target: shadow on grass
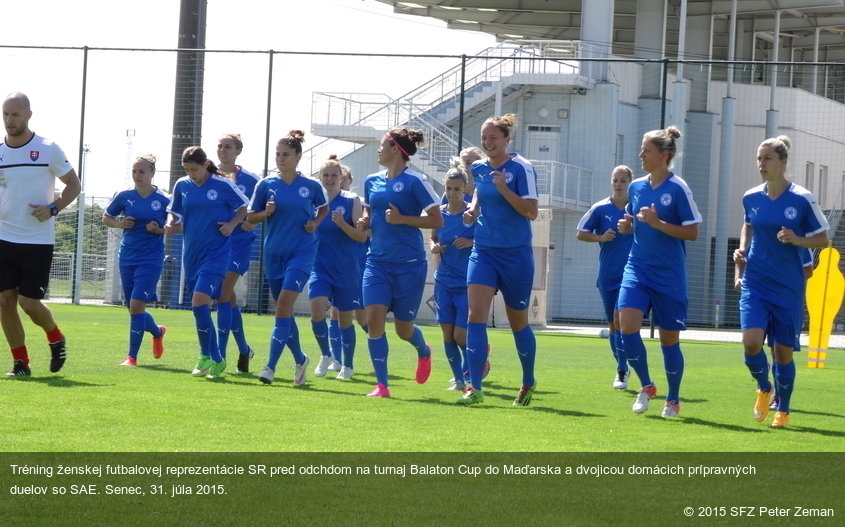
(365, 390)
(510, 387)
(252, 380)
(161, 368)
(232, 377)
(247, 378)
(357, 379)
(690, 400)
(660, 397)
(362, 393)
(57, 382)
(558, 411)
(807, 412)
(229, 379)
(185, 373)
(452, 404)
(811, 430)
(485, 406)
(713, 424)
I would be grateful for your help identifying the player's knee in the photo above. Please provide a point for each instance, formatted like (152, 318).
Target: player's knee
(752, 348)
(30, 306)
(404, 330)
(8, 301)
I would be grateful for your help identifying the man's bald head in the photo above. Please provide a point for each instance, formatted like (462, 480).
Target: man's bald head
(19, 99)
(16, 115)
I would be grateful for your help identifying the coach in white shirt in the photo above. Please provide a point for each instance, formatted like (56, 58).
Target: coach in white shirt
(29, 165)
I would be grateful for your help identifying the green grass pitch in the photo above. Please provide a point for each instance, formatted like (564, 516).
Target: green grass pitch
(93, 405)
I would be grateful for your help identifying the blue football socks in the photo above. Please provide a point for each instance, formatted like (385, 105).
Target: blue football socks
(150, 325)
(619, 351)
(278, 338)
(333, 340)
(418, 341)
(476, 351)
(294, 344)
(347, 343)
(136, 333)
(758, 366)
(785, 379)
(206, 334)
(378, 353)
(321, 335)
(637, 357)
(237, 329)
(673, 363)
(224, 322)
(453, 354)
(526, 349)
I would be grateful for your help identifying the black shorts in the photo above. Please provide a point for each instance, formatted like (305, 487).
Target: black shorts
(25, 267)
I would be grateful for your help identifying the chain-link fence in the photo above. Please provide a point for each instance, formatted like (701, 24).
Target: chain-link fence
(578, 118)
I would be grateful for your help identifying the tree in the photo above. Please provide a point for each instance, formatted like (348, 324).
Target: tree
(94, 233)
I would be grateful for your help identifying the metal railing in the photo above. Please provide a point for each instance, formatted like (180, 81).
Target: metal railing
(313, 158)
(380, 112)
(564, 186)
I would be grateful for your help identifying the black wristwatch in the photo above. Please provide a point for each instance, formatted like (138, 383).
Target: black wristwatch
(54, 210)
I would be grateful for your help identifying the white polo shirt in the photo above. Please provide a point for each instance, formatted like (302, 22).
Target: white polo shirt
(28, 176)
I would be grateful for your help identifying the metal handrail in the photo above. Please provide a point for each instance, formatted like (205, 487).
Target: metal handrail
(313, 158)
(382, 112)
(491, 65)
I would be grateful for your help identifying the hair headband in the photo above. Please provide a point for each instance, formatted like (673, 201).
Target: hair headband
(393, 140)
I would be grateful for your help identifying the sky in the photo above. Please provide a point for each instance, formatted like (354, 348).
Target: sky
(134, 91)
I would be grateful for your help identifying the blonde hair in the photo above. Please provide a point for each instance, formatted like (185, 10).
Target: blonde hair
(150, 159)
(472, 151)
(505, 123)
(456, 170)
(664, 140)
(780, 144)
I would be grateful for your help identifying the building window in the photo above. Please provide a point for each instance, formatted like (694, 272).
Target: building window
(821, 194)
(809, 175)
(842, 191)
(620, 149)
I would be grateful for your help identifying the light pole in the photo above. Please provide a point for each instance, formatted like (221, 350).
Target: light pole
(80, 226)
(130, 134)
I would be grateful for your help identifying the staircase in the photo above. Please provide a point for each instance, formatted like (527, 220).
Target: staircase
(434, 107)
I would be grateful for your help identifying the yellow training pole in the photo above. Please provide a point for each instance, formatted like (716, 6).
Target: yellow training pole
(825, 290)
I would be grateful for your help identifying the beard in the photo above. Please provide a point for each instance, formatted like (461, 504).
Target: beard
(15, 131)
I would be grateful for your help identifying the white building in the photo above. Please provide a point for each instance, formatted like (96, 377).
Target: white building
(587, 79)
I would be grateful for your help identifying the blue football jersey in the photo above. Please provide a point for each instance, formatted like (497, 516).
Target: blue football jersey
(201, 208)
(775, 269)
(139, 245)
(296, 204)
(412, 194)
(613, 255)
(452, 270)
(245, 181)
(499, 225)
(338, 255)
(657, 260)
